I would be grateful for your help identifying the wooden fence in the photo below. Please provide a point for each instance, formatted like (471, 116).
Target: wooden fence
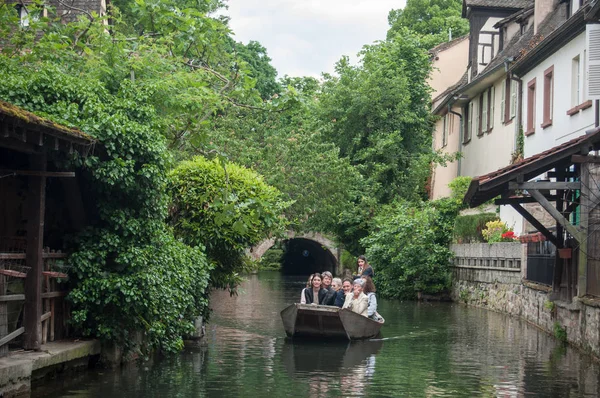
(13, 273)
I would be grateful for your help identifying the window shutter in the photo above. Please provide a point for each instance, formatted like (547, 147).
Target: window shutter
(492, 107)
(503, 103)
(593, 62)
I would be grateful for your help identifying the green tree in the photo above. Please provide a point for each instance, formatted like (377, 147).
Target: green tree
(226, 209)
(259, 67)
(377, 113)
(433, 20)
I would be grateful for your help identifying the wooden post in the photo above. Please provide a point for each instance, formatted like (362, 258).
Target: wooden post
(36, 201)
(3, 314)
(583, 224)
(560, 264)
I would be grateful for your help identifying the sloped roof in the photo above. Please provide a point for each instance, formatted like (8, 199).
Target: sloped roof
(450, 90)
(499, 3)
(552, 33)
(495, 4)
(517, 16)
(448, 44)
(488, 186)
(25, 131)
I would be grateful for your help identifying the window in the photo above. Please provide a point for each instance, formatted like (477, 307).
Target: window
(548, 109)
(575, 82)
(445, 131)
(513, 99)
(530, 107)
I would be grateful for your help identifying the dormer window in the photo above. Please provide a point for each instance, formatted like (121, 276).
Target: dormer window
(523, 27)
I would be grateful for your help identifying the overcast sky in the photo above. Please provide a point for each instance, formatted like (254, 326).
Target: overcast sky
(307, 37)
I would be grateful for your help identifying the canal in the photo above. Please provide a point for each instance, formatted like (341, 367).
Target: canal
(427, 350)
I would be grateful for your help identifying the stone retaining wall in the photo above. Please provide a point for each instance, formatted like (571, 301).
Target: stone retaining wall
(505, 290)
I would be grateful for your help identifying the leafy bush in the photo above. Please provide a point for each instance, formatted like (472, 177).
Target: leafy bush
(409, 248)
(271, 260)
(159, 289)
(498, 231)
(225, 208)
(130, 275)
(467, 229)
(459, 187)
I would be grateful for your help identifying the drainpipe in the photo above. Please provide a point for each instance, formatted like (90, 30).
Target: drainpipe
(460, 134)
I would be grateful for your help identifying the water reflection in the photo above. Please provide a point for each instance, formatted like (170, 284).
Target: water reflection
(349, 365)
(429, 350)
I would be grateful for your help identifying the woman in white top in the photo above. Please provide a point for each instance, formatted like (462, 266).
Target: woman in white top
(357, 301)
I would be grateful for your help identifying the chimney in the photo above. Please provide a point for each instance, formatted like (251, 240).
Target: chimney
(541, 11)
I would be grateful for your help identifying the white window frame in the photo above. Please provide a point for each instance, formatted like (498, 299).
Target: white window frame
(575, 81)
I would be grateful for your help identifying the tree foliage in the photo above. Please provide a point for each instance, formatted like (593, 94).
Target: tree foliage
(377, 113)
(432, 20)
(409, 248)
(226, 209)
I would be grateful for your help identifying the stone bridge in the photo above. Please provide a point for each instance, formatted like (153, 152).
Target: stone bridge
(305, 253)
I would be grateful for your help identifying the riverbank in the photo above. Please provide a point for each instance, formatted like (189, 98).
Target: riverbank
(20, 369)
(494, 277)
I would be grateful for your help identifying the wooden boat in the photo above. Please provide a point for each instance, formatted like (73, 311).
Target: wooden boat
(308, 320)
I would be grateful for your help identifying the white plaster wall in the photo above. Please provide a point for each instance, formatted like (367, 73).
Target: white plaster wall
(513, 219)
(511, 30)
(493, 150)
(443, 175)
(449, 67)
(564, 127)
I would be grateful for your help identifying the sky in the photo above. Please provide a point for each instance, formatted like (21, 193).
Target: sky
(307, 37)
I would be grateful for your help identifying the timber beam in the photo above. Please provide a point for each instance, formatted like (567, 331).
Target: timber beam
(538, 225)
(546, 185)
(573, 230)
(521, 199)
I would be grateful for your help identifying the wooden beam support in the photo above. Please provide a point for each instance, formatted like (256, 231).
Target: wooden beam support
(36, 198)
(585, 159)
(567, 174)
(574, 231)
(33, 173)
(521, 199)
(582, 266)
(547, 185)
(9, 337)
(49, 295)
(538, 225)
(13, 297)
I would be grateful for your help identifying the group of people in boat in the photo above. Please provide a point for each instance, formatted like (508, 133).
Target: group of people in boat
(356, 293)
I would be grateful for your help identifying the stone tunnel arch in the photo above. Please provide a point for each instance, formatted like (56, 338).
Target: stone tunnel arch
(304, 253)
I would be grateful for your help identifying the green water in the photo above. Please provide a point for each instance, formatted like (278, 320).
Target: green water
(427, 350)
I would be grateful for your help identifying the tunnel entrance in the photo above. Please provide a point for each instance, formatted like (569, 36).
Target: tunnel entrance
(305, 256)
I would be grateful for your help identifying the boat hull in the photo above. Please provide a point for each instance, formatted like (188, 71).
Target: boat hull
(321, 321)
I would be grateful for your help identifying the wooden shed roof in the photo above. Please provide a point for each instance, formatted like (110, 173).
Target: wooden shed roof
(25, 131)
(488, 186)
